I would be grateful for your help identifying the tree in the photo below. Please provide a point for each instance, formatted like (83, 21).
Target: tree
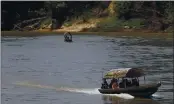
(124, 9)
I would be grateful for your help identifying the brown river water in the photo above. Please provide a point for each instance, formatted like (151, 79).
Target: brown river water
(47, 70)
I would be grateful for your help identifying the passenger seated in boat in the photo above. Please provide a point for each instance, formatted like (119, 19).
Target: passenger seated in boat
(104, 84)
(66, 37)
(112, 81)
(115, 84)
(122, 83)
(125, 83)
(135, 82)
(128, 83)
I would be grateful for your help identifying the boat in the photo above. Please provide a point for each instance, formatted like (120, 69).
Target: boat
(67, 37)
(139, 90)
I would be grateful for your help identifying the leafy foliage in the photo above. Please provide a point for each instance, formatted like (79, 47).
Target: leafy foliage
(131, 13)
(124, 9)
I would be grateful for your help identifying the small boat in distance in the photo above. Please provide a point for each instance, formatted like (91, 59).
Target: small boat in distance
(67, 37)
(129, 83)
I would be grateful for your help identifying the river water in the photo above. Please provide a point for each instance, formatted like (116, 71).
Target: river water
(47, 70)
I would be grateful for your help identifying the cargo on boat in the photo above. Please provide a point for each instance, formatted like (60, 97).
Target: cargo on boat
(126, 80)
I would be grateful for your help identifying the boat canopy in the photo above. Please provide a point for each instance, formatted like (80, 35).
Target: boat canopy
(124, 72)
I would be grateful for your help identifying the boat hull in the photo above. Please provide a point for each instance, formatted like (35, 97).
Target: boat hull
(137, 91)
(67, 40)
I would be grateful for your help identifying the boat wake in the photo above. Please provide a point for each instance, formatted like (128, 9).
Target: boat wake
(156, 96)
(92, 91)
(96, 92)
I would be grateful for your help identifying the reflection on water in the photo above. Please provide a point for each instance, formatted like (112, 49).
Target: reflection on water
(116, 100)
(50, 63)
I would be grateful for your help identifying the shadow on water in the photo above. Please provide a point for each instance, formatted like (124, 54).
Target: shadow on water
(116, 100)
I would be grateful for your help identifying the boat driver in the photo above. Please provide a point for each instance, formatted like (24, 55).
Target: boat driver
(104, 84)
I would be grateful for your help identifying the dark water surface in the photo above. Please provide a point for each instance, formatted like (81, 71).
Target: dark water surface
(46, 70)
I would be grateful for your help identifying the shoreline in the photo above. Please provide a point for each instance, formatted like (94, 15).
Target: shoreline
(121, 33)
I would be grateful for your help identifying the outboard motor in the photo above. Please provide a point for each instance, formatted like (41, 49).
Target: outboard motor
(67, 37)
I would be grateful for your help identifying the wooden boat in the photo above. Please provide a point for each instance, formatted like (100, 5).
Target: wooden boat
(67, 37)
(144, 90)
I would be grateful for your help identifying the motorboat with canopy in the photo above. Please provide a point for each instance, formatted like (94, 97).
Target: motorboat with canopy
(129, 83)
(67, 37)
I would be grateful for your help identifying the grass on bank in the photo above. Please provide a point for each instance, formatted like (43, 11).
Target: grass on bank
(45, 23)
(84, 18)
(112, 24)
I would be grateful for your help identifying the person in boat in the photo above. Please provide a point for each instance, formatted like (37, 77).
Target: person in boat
(121, 84)
(104, 84)
(128, 83)
(115, 84)
(112, 81)
(135, 82)
(125, 83)
(68, 36)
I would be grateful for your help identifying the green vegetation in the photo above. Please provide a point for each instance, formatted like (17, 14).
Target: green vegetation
(111, 15)
(46, 22)
(113, 24)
